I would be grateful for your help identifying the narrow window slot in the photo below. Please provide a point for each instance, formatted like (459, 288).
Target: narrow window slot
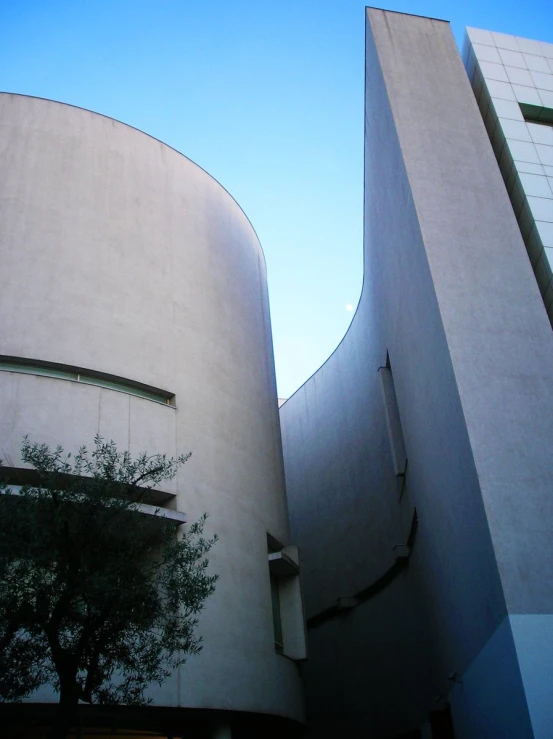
(393, 420)
(86, 377)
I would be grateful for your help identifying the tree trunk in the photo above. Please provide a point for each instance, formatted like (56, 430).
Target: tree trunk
(65, 714)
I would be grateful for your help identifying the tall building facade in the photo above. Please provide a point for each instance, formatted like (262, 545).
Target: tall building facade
(134, 305)
(418, 458)
(512, 80)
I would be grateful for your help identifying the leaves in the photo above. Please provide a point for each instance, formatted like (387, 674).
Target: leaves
(96, 596)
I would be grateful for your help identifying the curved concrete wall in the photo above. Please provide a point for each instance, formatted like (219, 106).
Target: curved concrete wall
(449, 298)
(121, 256)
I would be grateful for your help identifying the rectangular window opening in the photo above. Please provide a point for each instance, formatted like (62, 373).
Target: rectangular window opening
(274, 546)
(537, 114)
(393, 420)
(277, 618)
(286, 600)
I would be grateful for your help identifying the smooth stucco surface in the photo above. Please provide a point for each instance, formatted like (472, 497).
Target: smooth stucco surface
(122, 256)
(489, 699)
(449, 297)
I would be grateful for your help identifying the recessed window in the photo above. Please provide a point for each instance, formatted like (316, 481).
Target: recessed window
(537, 114)
(273, 547)
(393, 420)
(286, 600)
(87, 377)
(277, 618)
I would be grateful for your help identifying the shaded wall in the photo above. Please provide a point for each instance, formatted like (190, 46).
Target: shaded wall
(450, 299)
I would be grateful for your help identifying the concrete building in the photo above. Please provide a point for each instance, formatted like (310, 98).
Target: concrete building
(418, 458)
(134, 305)
(512, 79)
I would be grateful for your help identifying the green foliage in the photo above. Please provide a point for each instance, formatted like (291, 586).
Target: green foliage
(96, 596)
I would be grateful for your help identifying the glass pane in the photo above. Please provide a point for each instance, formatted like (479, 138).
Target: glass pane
(122, 387)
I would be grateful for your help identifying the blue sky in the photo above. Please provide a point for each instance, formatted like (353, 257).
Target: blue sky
(267, 97)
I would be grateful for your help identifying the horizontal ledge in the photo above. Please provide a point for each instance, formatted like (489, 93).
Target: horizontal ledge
(19, 476)
(281, 565)
(178, 517)
(344, 604)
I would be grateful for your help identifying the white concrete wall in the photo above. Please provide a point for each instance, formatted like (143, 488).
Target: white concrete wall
(120, 255)
(450, 296)
(512, 80)
(507, 71)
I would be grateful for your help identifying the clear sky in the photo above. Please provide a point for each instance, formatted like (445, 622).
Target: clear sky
(267, 97)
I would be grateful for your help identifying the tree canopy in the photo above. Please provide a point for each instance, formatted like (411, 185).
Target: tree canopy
(97, 597)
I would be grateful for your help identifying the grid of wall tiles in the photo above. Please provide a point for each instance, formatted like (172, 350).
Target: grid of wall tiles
(512, 79)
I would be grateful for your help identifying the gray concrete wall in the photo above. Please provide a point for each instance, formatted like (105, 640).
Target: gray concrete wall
(120, 255)
(449, 295)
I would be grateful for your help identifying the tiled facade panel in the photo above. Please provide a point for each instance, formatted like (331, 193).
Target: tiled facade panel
(508, 72)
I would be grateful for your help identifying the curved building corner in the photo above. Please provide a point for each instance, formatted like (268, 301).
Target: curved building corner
(417, 459)
(134, 305)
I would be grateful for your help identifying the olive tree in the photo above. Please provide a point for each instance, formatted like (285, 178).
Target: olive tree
(97, 598)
